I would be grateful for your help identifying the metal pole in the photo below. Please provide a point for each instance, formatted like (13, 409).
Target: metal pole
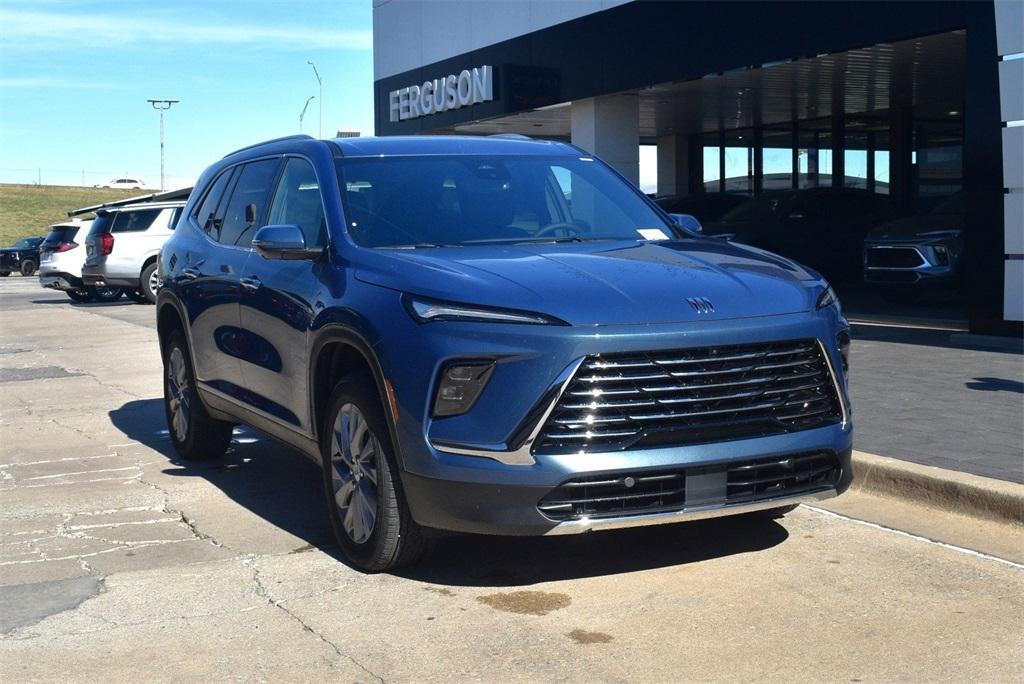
(302, 115)
(162, 106)
(321, 103)
(162, 150)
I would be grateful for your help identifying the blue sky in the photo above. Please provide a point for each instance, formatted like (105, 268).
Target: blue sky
(75, 77)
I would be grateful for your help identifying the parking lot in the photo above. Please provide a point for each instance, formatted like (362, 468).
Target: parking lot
(119, 562)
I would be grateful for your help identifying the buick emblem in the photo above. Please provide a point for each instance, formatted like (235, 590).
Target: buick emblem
(701, 305)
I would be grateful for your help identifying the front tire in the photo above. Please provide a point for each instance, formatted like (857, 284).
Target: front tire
(148, 284)
(196, 435)
(365, 502)
(136, 296)
(28, 267)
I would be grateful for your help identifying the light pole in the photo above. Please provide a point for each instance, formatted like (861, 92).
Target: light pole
(303, 114)
(321, 103)
(162, 106)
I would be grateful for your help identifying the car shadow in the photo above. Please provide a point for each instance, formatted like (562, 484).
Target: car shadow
(996, 385)
(285, 488)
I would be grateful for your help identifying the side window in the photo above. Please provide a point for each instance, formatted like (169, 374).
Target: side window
(134, 221)
(206, 215)
(248, 202)
(297, 201)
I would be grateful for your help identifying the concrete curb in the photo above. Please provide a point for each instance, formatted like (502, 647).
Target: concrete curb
(948, 490)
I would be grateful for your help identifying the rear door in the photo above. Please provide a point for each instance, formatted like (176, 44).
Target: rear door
(219, 288)
(277, 302)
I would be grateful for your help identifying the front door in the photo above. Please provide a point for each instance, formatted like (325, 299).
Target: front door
(278, 303)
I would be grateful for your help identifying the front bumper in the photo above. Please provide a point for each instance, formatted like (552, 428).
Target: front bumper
(918, 264)
(505, 509)
(452, 484)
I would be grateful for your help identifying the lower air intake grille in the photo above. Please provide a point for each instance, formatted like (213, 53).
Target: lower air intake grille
(689, 396)
(665, 491)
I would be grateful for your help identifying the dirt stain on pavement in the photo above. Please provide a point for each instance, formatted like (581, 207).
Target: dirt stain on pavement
(582, 636)
(526, 602)
(440, 590)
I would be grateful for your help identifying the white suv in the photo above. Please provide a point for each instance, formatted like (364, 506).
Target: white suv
(123, 184)
(123, 244)
(61, 256)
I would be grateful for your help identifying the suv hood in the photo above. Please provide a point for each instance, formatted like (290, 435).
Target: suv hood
(600, 283)
(916, 228)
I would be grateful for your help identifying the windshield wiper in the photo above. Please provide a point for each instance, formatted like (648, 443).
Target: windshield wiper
(419, 245)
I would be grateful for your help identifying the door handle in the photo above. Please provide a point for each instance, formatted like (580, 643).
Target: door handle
(190, 273)
(251, 283)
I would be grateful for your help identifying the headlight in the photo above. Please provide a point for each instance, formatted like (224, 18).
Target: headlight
(425, 310)
(828, 298)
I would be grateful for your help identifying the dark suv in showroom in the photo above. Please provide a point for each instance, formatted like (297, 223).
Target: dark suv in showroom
(497, 336)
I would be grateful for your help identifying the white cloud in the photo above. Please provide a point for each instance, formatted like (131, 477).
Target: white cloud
(77, 31)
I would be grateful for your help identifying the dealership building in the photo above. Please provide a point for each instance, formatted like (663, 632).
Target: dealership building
(913, 100)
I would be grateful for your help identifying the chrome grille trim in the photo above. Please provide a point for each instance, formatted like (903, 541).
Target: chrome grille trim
(629, 400)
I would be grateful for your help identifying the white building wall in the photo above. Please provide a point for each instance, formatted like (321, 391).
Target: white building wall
(1010, 43)
(408, 34)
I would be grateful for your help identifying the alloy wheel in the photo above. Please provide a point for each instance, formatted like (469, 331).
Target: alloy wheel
(354, 459)
(178, 397)
(154, 282)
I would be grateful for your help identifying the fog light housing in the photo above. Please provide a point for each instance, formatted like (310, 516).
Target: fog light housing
(843, 339)
(460, 386)
(941, 255)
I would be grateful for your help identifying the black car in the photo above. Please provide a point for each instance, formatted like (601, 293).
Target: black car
(823, 228)
(705, 207)
(21, 257)
(907, 255)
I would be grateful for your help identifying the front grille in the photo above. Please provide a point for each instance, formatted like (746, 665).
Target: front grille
(665, 491)
(690, 396)
(894, 257)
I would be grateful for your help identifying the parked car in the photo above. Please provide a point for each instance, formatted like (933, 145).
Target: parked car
(910, 254)
(823, 228)
(61, 256)
(21, 257)
(705, 207)
(123, 184)
(462, 348)
(123, 244)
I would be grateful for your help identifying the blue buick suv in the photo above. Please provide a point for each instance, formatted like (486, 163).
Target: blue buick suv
(494, 335)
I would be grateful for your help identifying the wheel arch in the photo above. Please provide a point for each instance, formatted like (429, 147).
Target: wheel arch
(339, 351)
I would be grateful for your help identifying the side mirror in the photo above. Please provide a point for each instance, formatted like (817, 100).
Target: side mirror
(284, 242)
(688, 222)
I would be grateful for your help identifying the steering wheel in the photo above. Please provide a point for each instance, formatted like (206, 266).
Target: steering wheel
(550, 229)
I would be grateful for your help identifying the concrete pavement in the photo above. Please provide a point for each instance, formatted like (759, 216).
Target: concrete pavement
(118, 562)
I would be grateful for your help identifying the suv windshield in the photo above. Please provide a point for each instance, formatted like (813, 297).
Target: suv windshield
(766, 206)
(466, 200)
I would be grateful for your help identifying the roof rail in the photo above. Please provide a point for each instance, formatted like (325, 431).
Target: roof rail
(169, 196)
(510, 136)
(300, 136)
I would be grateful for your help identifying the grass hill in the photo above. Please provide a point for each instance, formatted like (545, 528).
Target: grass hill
(30, 209)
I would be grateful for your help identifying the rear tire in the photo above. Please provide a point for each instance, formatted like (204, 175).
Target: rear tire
(148, 283)
(105, 294)
(196, 435)
(365, 501)
(4, 274)
(28, 267)
(80, 296)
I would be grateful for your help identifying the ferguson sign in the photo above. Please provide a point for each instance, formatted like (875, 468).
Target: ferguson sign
(469, 87)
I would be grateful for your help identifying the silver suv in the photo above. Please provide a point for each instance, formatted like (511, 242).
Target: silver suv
(123, 244)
